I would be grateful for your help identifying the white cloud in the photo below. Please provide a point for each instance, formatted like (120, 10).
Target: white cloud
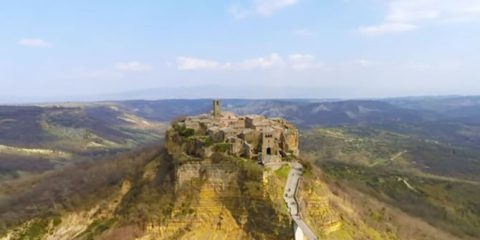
(304, 61)
(239, 12)
(190, 63)
(261, 8)
(272, 61)
(269, 7)
(408, 15)
(33, 42)
(133, 66)
(387, 28)
(268, 62)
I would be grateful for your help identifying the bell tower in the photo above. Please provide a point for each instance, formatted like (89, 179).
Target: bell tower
(216, 108)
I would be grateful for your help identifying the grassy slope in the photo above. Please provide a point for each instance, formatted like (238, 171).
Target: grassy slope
(71, 196)
(36, 139)
(423, 179)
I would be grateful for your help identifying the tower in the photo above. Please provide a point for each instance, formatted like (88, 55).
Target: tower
(216, 108)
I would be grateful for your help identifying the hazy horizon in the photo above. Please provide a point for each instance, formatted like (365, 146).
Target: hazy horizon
(208, 92)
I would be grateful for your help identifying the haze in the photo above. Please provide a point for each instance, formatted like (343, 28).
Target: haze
(79, 50)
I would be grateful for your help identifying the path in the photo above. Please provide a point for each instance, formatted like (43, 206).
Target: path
(290, 192)
(391, 159)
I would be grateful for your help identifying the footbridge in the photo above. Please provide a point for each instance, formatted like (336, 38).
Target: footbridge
(300, 228)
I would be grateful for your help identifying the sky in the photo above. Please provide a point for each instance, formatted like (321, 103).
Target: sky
(60, 49)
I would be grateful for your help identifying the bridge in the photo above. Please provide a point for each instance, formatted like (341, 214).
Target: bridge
(300, 228)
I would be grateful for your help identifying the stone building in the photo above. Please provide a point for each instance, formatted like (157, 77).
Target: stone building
(252, 136)
(216, 108)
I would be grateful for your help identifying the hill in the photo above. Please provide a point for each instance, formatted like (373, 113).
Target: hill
(301, 112)
(375, 169)
(34, 139)
(159, 193)
(435, 182)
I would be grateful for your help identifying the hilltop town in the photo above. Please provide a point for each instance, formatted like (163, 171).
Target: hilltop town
(268, 140)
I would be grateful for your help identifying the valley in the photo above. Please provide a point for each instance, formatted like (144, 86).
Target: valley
(34, 139)
(376, 169)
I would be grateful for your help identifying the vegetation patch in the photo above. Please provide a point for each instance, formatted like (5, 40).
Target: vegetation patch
(222, 147)
(183, 131)
(448, 205)
(262, 216)
(35, 230)
(282, 172)
(97, 227)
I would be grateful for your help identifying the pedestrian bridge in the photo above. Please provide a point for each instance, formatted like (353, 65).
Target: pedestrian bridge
(300, 228)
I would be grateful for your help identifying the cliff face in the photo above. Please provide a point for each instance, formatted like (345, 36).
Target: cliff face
(230, 199)
(221, 197)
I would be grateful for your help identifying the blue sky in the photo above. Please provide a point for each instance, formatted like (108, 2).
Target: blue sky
(340, 48)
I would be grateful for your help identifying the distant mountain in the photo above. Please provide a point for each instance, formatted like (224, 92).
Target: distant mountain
(333, 113)
(448, 105)
(165, 110)
(302, 112)
(457, 124)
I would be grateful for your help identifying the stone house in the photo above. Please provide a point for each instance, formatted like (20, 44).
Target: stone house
(252, 136)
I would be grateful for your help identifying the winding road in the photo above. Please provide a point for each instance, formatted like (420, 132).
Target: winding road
(290, 192)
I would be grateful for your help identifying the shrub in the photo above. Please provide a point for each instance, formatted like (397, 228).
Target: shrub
(207, 141)
(184, 131)
(222, 147)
